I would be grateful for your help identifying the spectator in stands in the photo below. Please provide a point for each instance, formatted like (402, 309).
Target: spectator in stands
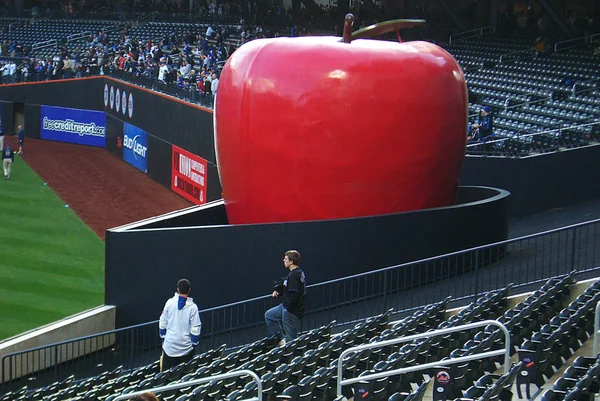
(284, 319)
(12, 71)
(207, 96)
(144, 397)
(209, 32)
(214, 83)
(68, 69)
(484, 126)
(185, 68)
(179, 327)
(4, 70)
(541, 47)
(162, 72)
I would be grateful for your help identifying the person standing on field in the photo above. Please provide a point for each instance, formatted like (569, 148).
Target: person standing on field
(8, 158)
(1, 137)
(20, 138)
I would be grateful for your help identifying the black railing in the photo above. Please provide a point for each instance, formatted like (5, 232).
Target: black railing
(521, 144)
(189, 94)
(523, 262)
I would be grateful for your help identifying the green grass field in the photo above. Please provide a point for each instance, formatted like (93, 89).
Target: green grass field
(51, 263)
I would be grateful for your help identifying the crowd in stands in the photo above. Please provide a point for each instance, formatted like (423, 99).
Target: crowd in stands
(193, 60)
(186, 61)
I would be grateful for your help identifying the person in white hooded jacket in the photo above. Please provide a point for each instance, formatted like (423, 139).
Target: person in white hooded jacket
(179, 327)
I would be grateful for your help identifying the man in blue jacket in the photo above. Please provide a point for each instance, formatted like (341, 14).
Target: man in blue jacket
(484, 126)
(8, 158)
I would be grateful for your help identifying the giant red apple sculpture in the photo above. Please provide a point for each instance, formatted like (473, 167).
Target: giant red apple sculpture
(317, 128)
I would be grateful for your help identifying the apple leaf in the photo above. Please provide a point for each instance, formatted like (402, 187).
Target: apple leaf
(375, 30)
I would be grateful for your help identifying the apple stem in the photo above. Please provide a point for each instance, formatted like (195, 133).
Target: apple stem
(348, 22)
(399, 37)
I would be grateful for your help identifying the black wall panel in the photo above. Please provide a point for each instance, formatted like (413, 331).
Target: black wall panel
(7, 117)
(231, 263)
(114, 136)
(541, 182)
(84, 93)
(159, 160)
(33, 114)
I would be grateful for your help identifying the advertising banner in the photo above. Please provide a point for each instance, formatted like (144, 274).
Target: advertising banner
(188, 175)
(82, 127)
(135, 147)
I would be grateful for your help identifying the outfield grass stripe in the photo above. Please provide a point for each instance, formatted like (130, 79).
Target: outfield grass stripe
(51, 263)
(61, 279)
(72, 270)
(48, 303)
(51, 293)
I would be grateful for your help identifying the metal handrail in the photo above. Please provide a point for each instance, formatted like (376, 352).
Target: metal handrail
(530, 55)
(18, 24)
(574, 91)
(596, 328)
(235, 373)
(45, 43)
(112, 28)
(451, 361)
(536, 133)
(78, 36)
(146, 18)
(491, 28)
(583, 41)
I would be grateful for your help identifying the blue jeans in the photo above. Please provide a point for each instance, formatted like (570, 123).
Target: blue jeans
(279, 321)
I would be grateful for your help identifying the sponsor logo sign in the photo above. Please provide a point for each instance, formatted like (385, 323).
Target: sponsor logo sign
(118, 100)
(124, 103)
(82, 127)
(135, 147)
(188, 175)
(130, 108)
(112, 97)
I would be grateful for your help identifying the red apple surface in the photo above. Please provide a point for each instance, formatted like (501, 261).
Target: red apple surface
(313, 128)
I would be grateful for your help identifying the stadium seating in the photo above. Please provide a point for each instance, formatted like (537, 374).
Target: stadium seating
(60, 30)
(535, 109)
(547, 326)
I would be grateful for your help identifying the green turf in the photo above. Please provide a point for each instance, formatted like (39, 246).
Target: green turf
(51, 263)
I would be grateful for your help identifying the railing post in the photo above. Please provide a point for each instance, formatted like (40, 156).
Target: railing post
(55, 363)
(131, 353)
(212, 326)
(573, 246)
(476, 292)
(385, 289)
(596, 328)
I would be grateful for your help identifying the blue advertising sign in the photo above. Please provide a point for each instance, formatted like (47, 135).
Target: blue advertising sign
(135, 147)
(83, 127)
